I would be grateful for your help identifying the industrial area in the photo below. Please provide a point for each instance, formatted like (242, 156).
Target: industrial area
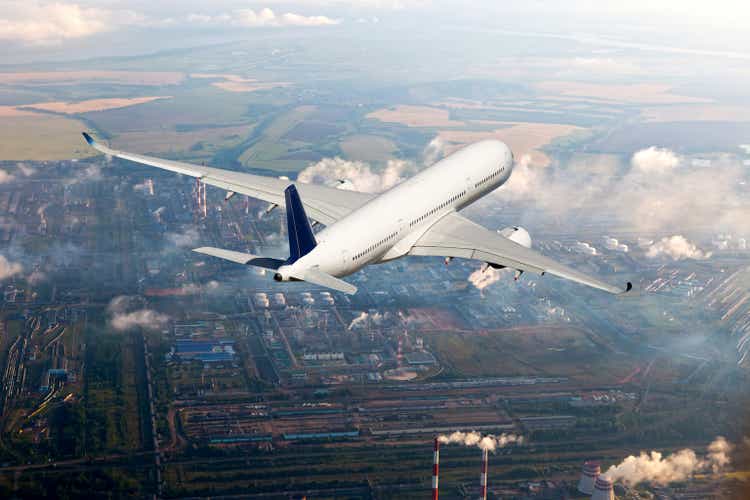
(129, 360)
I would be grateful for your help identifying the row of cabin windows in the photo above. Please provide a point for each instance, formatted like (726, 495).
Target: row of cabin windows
(490, 177)
(439, 207)
(374, 246)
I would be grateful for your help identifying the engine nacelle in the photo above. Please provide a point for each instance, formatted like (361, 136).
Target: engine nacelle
(282, 274)
(517, 234)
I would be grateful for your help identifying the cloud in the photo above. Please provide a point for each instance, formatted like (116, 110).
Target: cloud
(8, 268)
(653, 467)
(263, 18)
(653, 193)
(434, 151)
(187, 238)
(614, 244)
(677, 248)
(127, 313)
(5, 177)
(655, 160)
(586, 248)
(43, 23)
(482, 278)
(359, 175)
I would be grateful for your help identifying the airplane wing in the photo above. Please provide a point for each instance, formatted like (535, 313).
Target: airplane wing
(322, 203)
(457, 236)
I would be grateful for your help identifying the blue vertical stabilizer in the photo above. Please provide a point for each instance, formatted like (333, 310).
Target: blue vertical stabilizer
(301, 237)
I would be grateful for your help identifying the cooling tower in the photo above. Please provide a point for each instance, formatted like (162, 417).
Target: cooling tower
(603, 489)
(590, 472)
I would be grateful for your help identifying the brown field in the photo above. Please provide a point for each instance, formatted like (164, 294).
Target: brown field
(72, 108)
(10, 111)
(643, 93)
(148, 78)
(695, 113)
(41, 137)
(167, 141)
(416, 116)
(236, 83)
(523, 138)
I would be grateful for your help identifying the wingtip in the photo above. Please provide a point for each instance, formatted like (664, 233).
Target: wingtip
(628, 287)
(89, 139)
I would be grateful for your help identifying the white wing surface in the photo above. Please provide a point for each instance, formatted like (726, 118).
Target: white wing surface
(322, 203)
(457, 236)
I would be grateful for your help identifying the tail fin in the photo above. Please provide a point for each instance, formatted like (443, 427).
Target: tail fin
(301, 237)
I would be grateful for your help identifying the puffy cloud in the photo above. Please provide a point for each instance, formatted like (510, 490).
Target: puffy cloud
(655, 160)
(5, 177)
(263, 18)
(40, 22)
(434, 151)
(359, 175)
(653, 193)
(614, 244)
(127, 313)
(9, 268)
(586, 248)
(187, 238)
(482, 278)
(653, 467)
(676, 247)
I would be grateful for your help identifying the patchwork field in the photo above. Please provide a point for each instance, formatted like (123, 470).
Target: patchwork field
(523, 138)
(147, 78)
(640, 93)
(236, 83)
(72, 108)
(41, 137)
(367, 147)
(416, 116)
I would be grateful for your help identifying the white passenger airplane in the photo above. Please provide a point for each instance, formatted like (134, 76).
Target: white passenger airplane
(417, 217)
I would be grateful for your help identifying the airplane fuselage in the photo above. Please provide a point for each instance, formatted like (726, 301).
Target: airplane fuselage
(386, 227)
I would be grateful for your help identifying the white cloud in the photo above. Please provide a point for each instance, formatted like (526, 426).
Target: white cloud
(482, 278)
(5, 177)
(126, 313)
(586, 248)
(42, 22)
(654, 193)
(434, 151)
(677, 248)
(614, 244)
(262, 18)
(187, 238)
(655, 160)
(359, 175)
(9, 268)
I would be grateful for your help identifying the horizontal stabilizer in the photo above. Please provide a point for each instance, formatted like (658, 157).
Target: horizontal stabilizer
(318, 277)
(241, 258)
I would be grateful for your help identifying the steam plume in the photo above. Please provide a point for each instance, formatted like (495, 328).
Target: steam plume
(487, 442)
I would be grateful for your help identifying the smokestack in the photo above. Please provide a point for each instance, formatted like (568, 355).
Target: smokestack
(603, 489)
(400, 353)
(590, 472)
(483, 476)
(435, 469)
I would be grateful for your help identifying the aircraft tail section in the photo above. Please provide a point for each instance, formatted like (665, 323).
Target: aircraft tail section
(301, 237)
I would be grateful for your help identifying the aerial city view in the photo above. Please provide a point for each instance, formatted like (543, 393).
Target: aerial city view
(176, 321)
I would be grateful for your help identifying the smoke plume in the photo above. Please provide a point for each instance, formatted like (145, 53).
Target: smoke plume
(653, 467)
(487, 442)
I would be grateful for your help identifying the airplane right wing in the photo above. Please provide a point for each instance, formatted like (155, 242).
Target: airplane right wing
(323, 203)
(457, 236)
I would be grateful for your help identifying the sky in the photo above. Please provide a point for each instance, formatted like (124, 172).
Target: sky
(71, 28)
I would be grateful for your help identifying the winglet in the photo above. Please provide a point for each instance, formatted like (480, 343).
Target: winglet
(628, 287)
(88, 138)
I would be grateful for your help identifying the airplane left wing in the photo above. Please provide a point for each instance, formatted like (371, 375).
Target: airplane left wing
(457, 236)
(323, 203)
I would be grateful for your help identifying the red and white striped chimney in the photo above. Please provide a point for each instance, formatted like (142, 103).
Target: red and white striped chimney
(483, 476)
(435, 469)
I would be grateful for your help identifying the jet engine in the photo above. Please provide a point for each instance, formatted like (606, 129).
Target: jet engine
(517, 234)
(282, 274)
